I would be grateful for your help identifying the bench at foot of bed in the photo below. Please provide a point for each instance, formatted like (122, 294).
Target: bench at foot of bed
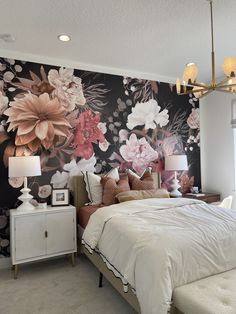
(212, 295)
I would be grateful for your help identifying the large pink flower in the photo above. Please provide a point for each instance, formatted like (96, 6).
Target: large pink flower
(88, 131)
(138, 152)
(37, 120)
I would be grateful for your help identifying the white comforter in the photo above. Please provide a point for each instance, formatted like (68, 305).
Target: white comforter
(159, 244)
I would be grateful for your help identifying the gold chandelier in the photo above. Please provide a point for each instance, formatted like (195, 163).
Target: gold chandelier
(228, 84)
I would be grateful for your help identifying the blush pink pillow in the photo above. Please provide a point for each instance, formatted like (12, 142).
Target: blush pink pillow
(146, 182)
(111, 188)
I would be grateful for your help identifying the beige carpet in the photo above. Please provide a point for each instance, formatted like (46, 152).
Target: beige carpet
(54, 287)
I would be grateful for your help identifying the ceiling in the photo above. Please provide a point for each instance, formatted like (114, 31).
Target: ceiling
(151, 39)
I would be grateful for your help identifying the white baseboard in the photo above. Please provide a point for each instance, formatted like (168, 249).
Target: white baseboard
(5, 262)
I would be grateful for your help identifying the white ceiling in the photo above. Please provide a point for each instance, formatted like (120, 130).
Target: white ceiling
(144, 38)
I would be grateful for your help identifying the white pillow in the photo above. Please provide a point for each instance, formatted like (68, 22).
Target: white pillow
(114, 174)
(148, 169)
(94, 186)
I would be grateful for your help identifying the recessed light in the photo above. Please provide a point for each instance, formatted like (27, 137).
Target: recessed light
(8, 38)
(63, 37)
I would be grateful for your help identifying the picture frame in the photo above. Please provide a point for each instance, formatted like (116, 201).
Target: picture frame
(60, 197)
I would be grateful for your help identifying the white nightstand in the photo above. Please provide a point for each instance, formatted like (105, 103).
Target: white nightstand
(42, 233)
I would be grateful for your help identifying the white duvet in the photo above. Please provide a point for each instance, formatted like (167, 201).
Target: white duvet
(156, 245)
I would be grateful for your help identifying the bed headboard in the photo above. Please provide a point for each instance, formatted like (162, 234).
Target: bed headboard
(81, 195)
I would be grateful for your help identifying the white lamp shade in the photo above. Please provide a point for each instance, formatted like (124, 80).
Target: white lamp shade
(176, 162)
(24, 166)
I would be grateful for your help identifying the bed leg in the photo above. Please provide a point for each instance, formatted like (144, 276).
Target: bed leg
(100, 280)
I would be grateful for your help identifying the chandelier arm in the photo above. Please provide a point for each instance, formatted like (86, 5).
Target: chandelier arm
(223, 82)
(195, 91)
(212, 49)
(225, 86)
(206, 93)
(225, 90)
(198, 85)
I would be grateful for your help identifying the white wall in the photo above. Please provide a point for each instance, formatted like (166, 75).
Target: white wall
(217, 144)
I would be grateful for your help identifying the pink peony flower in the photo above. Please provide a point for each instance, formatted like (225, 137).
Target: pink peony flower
(88, 131)
(193, 120)
(169, 145)
(68, 88)
(138, 152)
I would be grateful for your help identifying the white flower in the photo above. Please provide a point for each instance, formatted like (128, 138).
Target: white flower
(133, 88)
(148, 114)
(102, 127)
(68, 88)
(76, 169)
(64, 178)
(59, 179)
(45, 191)
(123, 135)
(3, 103)
(104, 145)
(16, 182)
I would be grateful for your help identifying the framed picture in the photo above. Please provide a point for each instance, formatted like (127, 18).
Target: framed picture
(60, 197)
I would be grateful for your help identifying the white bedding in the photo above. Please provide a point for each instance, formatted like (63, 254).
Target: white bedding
(159, 244)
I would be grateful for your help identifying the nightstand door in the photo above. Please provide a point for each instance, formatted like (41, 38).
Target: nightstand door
(60, 232)
(29, 236)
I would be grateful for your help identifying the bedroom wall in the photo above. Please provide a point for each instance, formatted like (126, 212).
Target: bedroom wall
(217, 144)
(78, 120)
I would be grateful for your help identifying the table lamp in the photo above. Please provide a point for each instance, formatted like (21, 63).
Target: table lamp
(24, 166)
(175, 163)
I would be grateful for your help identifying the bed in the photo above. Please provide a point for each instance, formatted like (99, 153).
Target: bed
(165, 243)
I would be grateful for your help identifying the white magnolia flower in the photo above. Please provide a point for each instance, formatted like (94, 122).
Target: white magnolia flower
(64, 178)
(68, 88)
(3, 103)
(59, 179)
(76, 169)
(148, 114)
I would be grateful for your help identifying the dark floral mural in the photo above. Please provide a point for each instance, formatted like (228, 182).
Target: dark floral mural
(85, 121)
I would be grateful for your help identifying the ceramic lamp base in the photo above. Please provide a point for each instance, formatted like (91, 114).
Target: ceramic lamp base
(26, 197)
(175, 186)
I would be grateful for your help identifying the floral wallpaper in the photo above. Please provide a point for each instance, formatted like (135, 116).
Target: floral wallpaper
(77, 121)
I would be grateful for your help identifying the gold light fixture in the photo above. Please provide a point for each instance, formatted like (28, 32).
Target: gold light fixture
(228, 84)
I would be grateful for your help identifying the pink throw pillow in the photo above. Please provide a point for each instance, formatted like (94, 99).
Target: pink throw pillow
(146, 182)
(111, 188)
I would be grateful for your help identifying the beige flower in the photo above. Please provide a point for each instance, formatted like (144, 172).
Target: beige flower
(37, 120)
(3, 103)
(68, 88)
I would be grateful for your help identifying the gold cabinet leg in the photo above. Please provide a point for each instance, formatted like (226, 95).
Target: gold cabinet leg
(15, 271)
(73, 259)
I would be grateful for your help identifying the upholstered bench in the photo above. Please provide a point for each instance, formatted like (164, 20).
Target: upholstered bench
(211, 295)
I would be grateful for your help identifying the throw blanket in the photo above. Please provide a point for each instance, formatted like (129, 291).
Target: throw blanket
(156, 245)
